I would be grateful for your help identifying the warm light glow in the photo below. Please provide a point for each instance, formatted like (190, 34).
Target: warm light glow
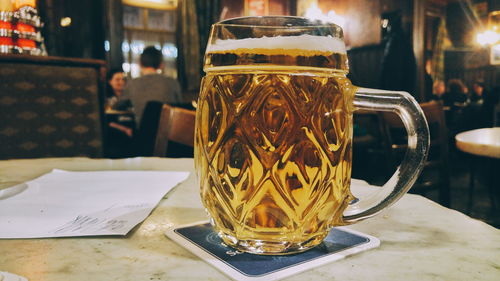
(152, 4)
(494, 21)
(21, 3)
(315, 13)
(492, 35)
(6, 5)
(66, 21)
(487, 37)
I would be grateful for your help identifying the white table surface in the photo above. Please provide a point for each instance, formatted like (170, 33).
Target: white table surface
(420, 240)
(482, 142)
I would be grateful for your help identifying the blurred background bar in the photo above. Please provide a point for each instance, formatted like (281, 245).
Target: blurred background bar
(55, 54)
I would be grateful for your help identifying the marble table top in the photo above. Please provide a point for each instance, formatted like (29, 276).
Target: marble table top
(482, 142)
(420, 240)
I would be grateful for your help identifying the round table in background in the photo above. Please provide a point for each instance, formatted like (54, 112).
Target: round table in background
(483, 142)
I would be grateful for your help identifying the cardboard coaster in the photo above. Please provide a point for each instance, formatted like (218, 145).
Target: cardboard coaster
(201, 240)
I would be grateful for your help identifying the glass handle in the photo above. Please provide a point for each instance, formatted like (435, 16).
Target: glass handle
(407, 108)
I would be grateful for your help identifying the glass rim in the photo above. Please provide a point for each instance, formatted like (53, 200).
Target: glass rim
(313, 23)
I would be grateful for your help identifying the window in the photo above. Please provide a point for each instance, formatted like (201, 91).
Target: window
(149, 27)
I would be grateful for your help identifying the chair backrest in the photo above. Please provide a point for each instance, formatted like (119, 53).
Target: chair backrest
(438, 154)
(434, 114)
(147, 130)
(177, 125)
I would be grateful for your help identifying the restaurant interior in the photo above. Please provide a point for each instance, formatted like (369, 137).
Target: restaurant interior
(421, 47)
(414, 46)
(58, 59)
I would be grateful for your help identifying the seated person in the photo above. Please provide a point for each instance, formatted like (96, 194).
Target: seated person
(438, 90)
(115, 84)
(458, 117)
(119, 135)
(455, 96)
(115, 79)
(151, 86)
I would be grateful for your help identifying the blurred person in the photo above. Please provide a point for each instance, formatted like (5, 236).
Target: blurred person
(115, 79)
(146, 95)
(478, 93)
(151, 86)
(438, 89)
(455, 95)
(458, 117)
(466, 90)
(120, 133)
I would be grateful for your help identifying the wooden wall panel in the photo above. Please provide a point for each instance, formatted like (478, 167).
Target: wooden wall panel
(362, 25)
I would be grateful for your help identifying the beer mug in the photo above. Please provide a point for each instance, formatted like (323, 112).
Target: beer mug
(273, 135)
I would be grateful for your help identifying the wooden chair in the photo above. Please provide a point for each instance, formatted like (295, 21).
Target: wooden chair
(369, 156)
(176, 125)
(145, 137)
(436, 173)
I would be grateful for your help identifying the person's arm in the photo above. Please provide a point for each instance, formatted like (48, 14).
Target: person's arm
(126, 130)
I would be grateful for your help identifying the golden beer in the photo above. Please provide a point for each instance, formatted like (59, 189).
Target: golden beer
(273, 146)
(273, 134)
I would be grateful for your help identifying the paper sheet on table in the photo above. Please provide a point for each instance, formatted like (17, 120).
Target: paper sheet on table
(63, 203)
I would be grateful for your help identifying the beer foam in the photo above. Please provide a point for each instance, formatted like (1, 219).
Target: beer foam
(302, 44)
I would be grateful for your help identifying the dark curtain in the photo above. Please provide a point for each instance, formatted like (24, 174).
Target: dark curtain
(114, 33)
(194, 19)
(208, 14)
(83, 38)
(461, 23)
(398, 63)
